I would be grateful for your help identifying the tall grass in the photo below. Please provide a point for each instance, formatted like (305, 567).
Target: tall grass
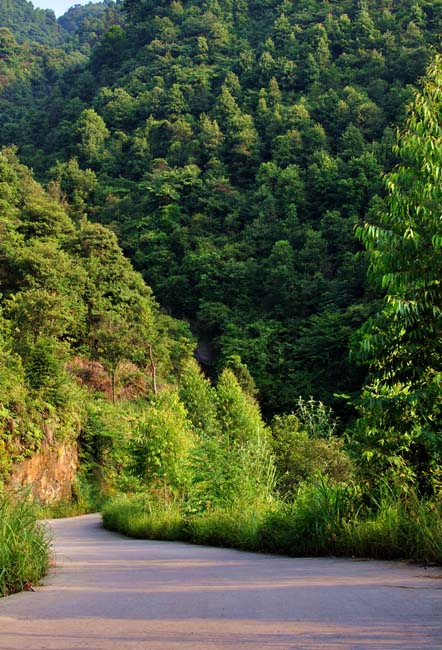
(24, 546)
(312, 523)
(324, 519)
(145, 518)
(397, 527)
(236, 526)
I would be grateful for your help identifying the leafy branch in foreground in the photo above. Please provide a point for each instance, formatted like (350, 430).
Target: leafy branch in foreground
(401, 415)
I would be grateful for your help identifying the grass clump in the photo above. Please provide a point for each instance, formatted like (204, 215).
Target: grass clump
(237, 526)
(397, 526)
(24, 545)
(145, 518)
(312, 523)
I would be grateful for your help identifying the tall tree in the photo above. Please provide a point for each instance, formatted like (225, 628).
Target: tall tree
(402, 413)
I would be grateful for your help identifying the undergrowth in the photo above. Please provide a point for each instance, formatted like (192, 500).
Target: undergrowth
(146, 519)
(322, 520)
(24, 545)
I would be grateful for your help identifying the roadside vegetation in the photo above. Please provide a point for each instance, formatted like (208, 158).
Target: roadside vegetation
(295, 488)
(292, 488)
(24, 545)
(322, 520)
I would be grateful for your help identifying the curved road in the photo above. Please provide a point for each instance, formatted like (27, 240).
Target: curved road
(112, 593)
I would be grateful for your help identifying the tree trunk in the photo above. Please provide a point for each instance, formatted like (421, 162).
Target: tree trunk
(154, 371)
(113, 371)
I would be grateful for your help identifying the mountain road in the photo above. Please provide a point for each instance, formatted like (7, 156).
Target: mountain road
(108, 592)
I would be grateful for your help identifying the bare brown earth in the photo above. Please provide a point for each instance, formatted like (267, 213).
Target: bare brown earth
(112, 593)
(49, 473)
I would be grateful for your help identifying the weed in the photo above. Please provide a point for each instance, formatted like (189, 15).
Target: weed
(24, 545)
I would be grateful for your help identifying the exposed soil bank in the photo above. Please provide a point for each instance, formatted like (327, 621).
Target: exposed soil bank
(48, 474)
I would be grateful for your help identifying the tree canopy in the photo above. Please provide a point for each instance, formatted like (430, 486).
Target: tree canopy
(401, 418)
(233, 148)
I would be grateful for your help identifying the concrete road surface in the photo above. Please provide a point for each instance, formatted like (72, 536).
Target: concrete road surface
(112, 593)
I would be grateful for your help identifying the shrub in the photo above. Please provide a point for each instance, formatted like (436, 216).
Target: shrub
(316, 418)
(225, 473)
(300, 457)
(198, 396)
(238, 413)
(161, 445)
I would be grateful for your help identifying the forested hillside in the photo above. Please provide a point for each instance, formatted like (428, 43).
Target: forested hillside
(234, 147)
(31, 63)
(272, 170)
(30, 24)
(75, 318)
(85, 25)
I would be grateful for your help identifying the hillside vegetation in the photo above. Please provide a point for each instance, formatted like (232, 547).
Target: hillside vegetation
(235, 147)
(79, 332)
(380, 495)
(272, 170)
(71, 307)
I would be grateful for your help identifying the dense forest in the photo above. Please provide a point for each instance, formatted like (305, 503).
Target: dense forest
(271, 169)
(79, 25)
(233, 149)
(72, 308)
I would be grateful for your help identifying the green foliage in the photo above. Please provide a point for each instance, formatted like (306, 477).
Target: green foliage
(234, 526)
(301, 457)
(85, 24)
(161, 445)
(231, 461)
(399, 427)
(12, 402)
(238, 413)
(102, 447)
(24, 545)
(398, 528)
(177, 449)
(76, 184)
(44, 371)
(70, 300)
(242, 374)
(226, 474)
(404, 247)
(145, 518)
(233, 152)
(322, 520)
(78, 26)
(28, 23)
(198, 397)
(312, 524)
(92, 134)
(316, 418)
